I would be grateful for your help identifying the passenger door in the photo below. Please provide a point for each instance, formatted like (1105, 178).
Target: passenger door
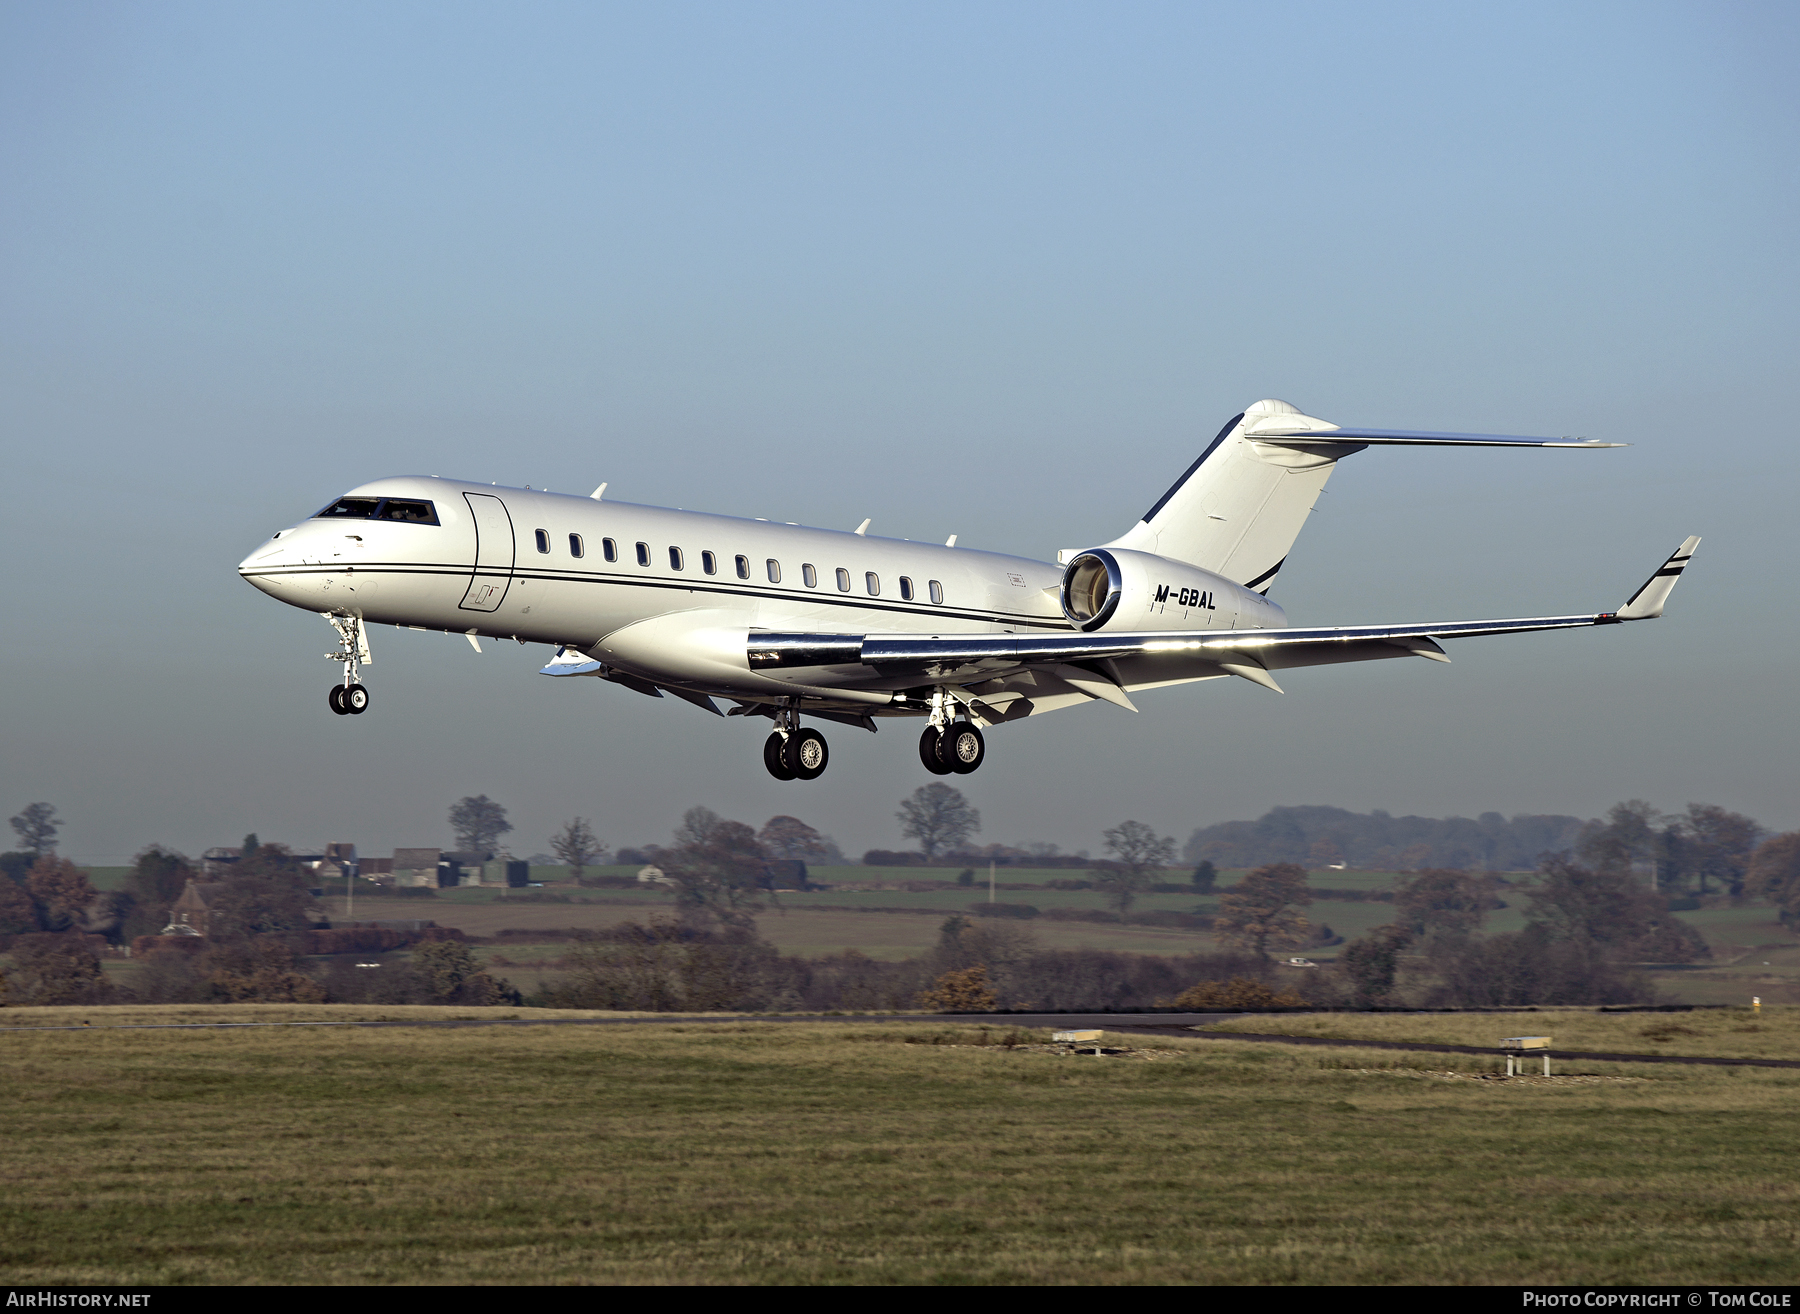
(493, 553)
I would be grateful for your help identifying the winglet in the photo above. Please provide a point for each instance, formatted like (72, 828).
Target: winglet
(1647, 602)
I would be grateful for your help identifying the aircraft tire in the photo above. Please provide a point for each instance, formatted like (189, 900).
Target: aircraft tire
(355, 700)
(337, 700)
(929, 744)
(964, 748)
(806, 755)
(775, 758)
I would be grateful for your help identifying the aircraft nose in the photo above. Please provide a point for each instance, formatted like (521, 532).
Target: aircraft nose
(262, 567)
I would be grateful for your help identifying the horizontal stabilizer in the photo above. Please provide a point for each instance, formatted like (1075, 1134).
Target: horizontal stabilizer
(1410, 438)
(1647, 602)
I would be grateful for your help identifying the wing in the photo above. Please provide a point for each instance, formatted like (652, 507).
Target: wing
(1005, 676)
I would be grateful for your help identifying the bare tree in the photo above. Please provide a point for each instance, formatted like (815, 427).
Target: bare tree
(790, 839)
(696, 828)
(1137, 851)
(576, 846)
(1718, 844)
(718, 868)
(939, 817)
(479, 823)
(36, 827)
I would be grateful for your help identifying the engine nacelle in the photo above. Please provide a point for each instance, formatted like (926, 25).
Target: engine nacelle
(1114, 588)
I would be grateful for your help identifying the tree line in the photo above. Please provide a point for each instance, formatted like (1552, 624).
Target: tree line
(1592, 919)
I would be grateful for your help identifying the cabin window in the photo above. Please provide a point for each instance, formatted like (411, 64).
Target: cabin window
(709, 563)
(872, 582)
(810, 574)
(843, 578)
(937, 592)
(906, 590)
(743, 567)
(675, 558)
(643, 550)
(609, 549)
(774, 571)
(575, 545)
(543, 540)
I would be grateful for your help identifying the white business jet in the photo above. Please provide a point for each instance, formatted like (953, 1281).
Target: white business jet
(782, 621)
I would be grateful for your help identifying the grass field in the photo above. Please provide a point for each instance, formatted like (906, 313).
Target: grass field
(768, 1153)
(1724, 1033)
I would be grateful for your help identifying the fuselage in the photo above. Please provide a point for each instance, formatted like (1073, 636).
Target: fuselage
(668, 595)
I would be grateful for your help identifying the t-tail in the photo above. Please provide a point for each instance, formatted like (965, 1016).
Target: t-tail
(1238, 508)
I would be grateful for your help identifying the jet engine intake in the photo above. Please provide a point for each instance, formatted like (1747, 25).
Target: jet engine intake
(1119, 589)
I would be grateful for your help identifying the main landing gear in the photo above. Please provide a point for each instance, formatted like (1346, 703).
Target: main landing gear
(349, 698)
(950, 744)
(791, 753)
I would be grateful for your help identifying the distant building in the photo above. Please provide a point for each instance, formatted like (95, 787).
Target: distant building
(462, 868)
(786, 874)
(223, 860)
(192, 913)
(653, 876)
(417, 867)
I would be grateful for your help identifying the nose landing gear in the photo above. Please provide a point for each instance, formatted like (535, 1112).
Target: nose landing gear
(791, 753)
(349, 698)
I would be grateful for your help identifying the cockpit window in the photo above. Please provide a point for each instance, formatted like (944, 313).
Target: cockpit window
(402, 509)
(417, 513)
(350, 508)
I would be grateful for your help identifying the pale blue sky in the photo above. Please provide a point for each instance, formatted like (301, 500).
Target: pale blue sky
(995, 270)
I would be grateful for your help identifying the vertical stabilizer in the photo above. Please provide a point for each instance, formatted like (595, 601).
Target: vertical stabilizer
(1239, 507)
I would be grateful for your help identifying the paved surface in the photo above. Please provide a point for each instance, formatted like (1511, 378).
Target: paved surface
(1166, 1024)
(1488, 1051)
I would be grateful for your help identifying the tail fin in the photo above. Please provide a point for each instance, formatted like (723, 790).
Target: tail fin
(1238, 509)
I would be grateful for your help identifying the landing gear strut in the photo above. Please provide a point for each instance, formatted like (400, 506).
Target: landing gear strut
(791, 753)
(349, 698)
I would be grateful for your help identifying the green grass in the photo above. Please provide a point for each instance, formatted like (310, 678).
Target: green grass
(107, 878)
(766, 1153)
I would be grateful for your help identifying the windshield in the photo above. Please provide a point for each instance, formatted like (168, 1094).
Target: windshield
(375, 508)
